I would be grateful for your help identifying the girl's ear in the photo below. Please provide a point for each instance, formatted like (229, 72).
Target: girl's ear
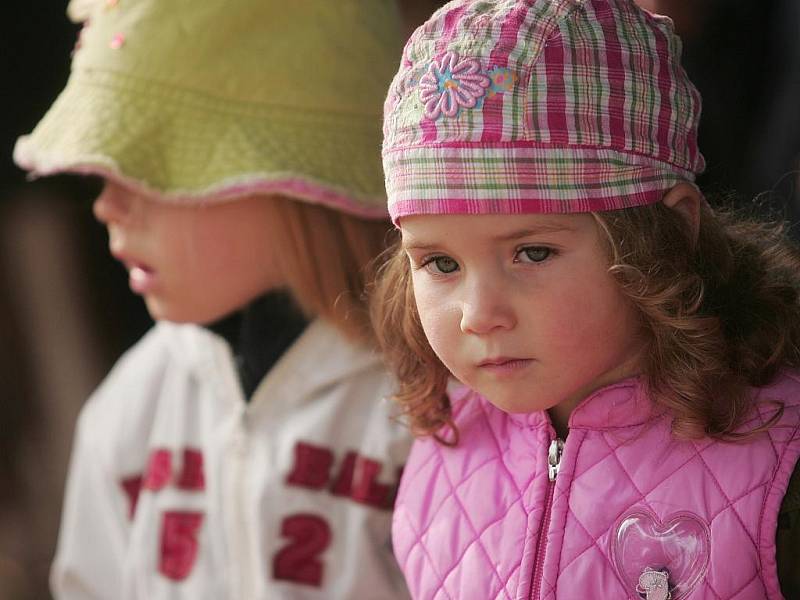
(685, 198)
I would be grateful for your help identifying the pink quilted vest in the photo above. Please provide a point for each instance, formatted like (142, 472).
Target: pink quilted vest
(622, 511)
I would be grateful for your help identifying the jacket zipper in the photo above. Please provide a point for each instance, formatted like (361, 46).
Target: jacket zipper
(553, 465)
(241, 544)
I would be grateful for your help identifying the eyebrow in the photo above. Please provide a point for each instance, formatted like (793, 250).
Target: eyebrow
(536, 230)
(416, 246)
(506, 237)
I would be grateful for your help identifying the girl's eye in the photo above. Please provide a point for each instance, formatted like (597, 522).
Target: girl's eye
(535, 254)
(441, 265)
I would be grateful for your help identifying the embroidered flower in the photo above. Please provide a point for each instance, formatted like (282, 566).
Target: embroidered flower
(450, 84)
(502, 80)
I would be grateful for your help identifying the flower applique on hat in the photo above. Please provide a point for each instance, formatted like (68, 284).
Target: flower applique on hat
(452, 83)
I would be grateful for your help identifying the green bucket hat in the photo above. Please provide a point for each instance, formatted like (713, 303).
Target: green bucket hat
(213, 100)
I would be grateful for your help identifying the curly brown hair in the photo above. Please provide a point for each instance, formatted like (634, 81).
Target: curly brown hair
(721, 313)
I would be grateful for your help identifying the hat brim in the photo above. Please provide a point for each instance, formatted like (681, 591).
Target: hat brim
(474, 179)
(185, 147)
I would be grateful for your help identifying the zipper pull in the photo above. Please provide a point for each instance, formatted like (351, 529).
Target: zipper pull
(554, 458)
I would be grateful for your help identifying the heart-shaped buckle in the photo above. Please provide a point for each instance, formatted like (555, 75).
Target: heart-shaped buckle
(660, 560)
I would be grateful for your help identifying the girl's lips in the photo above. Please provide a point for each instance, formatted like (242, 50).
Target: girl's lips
(504, 366)
(141, 279)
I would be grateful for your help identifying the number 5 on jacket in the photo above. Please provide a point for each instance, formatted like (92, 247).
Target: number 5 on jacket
(179, 543)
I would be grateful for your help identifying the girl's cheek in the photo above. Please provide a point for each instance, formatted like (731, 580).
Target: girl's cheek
(427, 297)
(439, 339)
(428, 304)
(421, 290)
(440, 321)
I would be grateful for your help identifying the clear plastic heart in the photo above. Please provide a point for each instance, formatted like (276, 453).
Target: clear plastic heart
(643, 546)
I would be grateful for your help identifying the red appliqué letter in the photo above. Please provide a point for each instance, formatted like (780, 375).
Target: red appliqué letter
(366, 488)
(358, 479)
(312, 465)
(159, 470)
(299, 561)
(192, 477)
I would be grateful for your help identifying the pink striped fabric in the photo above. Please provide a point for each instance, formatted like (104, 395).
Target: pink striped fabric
(588, 109)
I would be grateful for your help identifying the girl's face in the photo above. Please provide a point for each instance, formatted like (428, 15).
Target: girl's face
(522, 308)
(191, 263)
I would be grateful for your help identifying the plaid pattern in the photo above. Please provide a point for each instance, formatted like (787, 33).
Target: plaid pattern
(601, 115)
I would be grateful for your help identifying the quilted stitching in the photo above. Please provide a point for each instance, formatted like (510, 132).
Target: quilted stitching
(468, 537)
(465, 517)
(644, 495)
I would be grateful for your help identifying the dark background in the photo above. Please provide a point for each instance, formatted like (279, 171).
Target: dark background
(66, 313)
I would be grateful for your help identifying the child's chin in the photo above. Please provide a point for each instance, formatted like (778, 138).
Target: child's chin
(165, 311)
(517, 405)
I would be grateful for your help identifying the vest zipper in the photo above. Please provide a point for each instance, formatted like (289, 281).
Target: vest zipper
(553, 465)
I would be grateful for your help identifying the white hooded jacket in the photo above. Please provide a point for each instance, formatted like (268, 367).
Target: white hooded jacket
(179, 488)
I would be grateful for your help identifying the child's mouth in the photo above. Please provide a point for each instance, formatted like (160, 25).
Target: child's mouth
(141, 278)
(504, 365)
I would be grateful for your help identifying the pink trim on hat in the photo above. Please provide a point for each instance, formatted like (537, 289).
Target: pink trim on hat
(293, 187)
(470, 206)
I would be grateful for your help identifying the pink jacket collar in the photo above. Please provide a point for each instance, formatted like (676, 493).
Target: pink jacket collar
(619, 405)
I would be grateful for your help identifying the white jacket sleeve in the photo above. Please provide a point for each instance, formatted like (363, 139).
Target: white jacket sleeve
(94, 522)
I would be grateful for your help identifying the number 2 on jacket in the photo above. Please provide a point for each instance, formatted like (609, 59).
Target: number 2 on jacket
(299, 561)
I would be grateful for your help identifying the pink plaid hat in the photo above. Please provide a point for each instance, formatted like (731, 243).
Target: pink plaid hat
(539, 106)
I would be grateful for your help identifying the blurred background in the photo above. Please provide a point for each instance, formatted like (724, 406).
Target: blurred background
(65, 310)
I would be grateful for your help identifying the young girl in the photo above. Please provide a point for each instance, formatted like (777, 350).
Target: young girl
(242, 449)
(628, 420)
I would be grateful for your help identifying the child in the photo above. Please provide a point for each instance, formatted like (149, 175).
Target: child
(242, 448)
(628, 422)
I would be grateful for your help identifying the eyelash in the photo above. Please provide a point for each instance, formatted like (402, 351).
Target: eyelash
(550, 253)
(431, 260)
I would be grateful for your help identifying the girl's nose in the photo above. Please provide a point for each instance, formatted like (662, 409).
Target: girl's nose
(113, 205)
(485, 309)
